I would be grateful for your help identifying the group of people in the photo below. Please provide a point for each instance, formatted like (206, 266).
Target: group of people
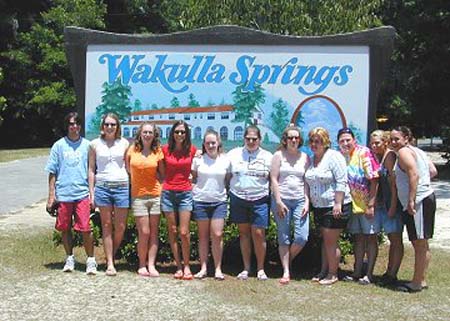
(359, 189)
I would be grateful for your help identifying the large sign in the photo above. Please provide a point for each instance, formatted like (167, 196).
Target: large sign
(229, 81)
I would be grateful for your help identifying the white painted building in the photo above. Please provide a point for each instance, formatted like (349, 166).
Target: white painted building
(220, 118)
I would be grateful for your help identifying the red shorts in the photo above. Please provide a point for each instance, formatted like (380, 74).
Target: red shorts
(81, 211)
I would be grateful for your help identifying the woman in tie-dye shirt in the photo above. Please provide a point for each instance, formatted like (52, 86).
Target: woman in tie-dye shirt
(362, 172)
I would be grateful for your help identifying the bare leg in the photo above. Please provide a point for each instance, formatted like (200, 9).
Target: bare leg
(66, 238)
(142, 224)
(153, 245)
(359, 249)
(217, 244)
(88, 242)
(421, 260)
(259, 243)
(245, 238)
(120, 225)
(203, 244)
(107, 232)
(332, 251)
(372, 253)
(185, 236)
(283, 250)
(396, 250)
(173, 232)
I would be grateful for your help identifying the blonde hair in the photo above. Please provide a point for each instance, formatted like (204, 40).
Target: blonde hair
(323, 134)
(382, 134)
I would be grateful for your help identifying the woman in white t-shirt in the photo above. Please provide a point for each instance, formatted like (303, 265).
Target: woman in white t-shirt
(211, 175)
(108, 174)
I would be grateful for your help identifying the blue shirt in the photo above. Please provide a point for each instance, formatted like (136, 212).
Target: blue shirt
(68, 160)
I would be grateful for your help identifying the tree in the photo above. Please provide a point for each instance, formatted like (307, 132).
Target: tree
(137, 106)
(246, 102)
(115, 100)
(279, 116)
(174, 102)
(38, 84)
(154, 106)
(417, 88)
(192, 101)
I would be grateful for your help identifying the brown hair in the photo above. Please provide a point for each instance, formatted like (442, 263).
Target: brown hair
(118, 133)
(284, 136)
(322, 133)
(138, 145)
(186, 147)
(219, 141)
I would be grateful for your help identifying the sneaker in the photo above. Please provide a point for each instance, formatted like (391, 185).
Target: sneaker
(69, 266)
(91, 266)
(364, 280)
(329, 280)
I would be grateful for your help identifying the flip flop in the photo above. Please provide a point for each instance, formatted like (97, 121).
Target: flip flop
(144, 273)
(178, 275)
(284, 280)
(111, 271)
(188, 277)
(262, 276)
(200, 275)
(219, 277)
(406, 288)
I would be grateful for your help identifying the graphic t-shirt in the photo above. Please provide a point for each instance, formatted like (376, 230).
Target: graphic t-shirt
(250, 173)
(68, 161)
(362, 167)
(144, 170)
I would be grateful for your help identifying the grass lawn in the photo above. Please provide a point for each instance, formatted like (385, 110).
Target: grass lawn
(7, 155)
(34, 288)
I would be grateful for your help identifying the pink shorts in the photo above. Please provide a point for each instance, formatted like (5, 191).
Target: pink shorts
(80, 210)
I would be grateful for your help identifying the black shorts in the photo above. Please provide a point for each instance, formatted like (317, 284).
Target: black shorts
(324, 217)
(421, 226)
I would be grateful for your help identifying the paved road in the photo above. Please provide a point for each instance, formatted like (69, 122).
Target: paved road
(24, 182)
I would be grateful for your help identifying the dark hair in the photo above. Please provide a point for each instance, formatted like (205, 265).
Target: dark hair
(345, 130)
(219, 141)
(186, 147)
(69, 116)
(252, 128)
(406, 132)
(284, 136)
(138, 145)
(118, 129)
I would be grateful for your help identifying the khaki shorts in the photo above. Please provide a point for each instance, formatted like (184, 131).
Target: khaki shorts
(146, 205)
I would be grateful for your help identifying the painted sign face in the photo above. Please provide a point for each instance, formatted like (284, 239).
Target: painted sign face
(227, 87)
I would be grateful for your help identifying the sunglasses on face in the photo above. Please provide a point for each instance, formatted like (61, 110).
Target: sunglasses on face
(251, 139)
(110, 125)
(180, 132)
(147, 132)
(293, 137)
(72, 123)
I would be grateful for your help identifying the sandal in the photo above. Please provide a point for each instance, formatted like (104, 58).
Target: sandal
(188, 276)
(143, 272)
(219, 277)
(284, 280)
(364, 280)
(261, 276)
(318, 277)
(329, 280)
(111, 271)
(243, 275)
(178, 275)
(201, 275)
(407, 288)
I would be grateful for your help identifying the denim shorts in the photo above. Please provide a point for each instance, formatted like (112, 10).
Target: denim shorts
(389, 224)
(118, 196)
(293, 218)
(254, 212)
(206, 211)
(176, 201)
(361, 224)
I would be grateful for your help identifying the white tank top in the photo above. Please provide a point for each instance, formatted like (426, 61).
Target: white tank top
(291, 178)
